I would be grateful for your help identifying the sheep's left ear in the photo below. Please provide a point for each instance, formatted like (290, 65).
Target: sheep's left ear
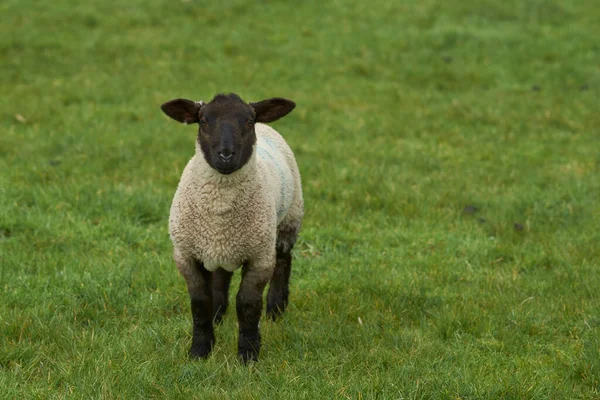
(272, 109)
(183, 110)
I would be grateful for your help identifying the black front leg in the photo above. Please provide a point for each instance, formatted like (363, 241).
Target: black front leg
(198, 281)
(249, 306)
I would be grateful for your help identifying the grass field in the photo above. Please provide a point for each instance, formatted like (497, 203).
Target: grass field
(450, 154)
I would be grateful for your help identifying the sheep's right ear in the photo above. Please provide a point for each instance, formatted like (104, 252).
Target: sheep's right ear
(182, 110)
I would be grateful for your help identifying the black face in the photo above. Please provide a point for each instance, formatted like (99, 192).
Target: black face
(226, 126)
(226, 133)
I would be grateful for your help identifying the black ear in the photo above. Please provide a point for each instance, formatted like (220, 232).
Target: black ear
(272, 109)
(182, 110)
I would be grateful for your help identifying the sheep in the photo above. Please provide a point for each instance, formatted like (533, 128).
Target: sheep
(238, 203)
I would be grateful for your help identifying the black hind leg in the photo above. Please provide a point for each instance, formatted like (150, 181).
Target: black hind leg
(220, 293)
(277, 299)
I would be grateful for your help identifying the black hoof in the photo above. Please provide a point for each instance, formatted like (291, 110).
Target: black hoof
(274, 312)
(218, 316)
(200, 351)
(276, 307)
(247, 356)
(248, 348)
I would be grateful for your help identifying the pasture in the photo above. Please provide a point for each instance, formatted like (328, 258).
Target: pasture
(450, 156)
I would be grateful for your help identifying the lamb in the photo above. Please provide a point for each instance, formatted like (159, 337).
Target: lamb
(238, 203)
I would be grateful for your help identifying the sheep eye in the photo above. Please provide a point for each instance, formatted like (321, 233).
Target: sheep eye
(203, 121)
(249, 123)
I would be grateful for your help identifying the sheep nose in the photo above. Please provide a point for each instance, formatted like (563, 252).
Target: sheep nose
(226, 155)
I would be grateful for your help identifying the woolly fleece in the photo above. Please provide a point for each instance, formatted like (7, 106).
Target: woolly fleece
(226, 220)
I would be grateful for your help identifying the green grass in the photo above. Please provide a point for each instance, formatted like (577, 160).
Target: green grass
(450, 153)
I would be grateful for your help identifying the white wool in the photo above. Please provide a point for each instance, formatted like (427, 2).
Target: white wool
(224, 220)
